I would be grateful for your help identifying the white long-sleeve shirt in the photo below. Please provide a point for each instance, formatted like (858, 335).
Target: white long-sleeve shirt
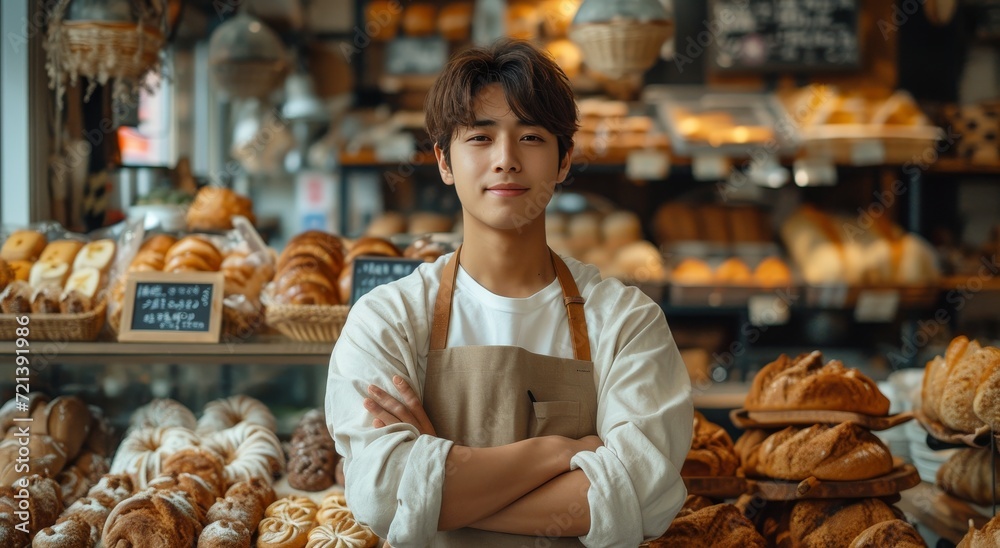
(644, 412)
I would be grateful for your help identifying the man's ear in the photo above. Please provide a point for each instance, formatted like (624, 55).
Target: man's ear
(565, 164)
(443, 168)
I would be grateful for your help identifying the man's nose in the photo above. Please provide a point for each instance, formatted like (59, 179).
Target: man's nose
(506, 157)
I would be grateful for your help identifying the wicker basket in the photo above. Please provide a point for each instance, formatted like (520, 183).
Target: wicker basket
(619, 48)
(112, 48)
(57, 327)
(308, 323)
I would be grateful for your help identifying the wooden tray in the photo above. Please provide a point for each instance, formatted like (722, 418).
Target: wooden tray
(745, 419)
(901, 478)
(716, 487)
(979, 439)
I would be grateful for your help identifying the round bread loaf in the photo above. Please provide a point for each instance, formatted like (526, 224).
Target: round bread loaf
(228, 412)
(163, 412)
(845, 452)
(153, 519)
(225, 534)
(806, 383)
(718, 526)
(249, 451)
(987, 537)
(967, 475)
(834, 522)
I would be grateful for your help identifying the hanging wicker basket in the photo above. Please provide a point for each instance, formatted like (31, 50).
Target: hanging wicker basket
(103, 49)
(249, 78)
(621, 47)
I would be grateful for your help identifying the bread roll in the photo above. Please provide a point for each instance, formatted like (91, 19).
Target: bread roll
(382, 18)
(45, 300)
(455, 20)
(896, 533)
(159, 243)
(967, 475)
(386, 225)
(61, 251)
(192, 253)
(640, 261)
(845, 452)
(522, 21)
(419, 20)
(23, 245)
(48, 272)
(675, 222)
(99, 255)
(213, 208)
(693, 271)
(425, 222)
(85, 281)
(807, 383)
(733, 271)
(620, 229)
(374, 247)
(772, 272)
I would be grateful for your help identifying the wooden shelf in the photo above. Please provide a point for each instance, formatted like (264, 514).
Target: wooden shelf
(271, 350)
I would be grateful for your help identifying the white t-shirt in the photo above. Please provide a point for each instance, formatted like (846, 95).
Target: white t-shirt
(537, 323)
(644, 413)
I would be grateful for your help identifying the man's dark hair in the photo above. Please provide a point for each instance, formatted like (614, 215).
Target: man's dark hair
(537, 90)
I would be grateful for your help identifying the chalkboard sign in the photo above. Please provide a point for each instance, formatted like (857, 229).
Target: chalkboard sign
(780, 35)
(371, 272)
(172, 307)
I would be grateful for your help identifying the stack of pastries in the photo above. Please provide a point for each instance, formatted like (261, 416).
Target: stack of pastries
(712, 452)
(298, 521)
(307, 270)
(244, 275)
(42, 277)
(841, 452)
(961, 391)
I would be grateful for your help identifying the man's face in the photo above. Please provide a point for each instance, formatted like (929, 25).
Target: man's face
(504, 170)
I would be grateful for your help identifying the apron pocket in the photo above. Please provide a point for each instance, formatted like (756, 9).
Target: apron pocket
(555, 418)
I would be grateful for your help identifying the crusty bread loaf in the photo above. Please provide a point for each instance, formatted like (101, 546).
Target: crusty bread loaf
(833, 522)
(896, 533)
(213, 208)
(719, 526)
(806, 383)
(711, 451)
(967, 476)
(959, 392)
(986, 404)
(844, 452)
(987, 537)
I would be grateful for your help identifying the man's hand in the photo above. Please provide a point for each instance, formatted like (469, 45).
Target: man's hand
(388, 410)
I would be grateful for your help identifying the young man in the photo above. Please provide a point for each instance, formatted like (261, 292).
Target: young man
(503, 396)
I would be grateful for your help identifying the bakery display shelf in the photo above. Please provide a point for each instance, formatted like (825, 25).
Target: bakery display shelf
(746, 419)
(265, 350)
(838, 296)
(716, 487)
(959, 166)
(978, 439)
(901, 478)
(722, 296)
(942, 513)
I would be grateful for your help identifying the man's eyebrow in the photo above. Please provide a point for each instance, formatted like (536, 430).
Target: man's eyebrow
(489, 122)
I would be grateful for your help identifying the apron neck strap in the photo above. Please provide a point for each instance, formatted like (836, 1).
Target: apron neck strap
(571, 298)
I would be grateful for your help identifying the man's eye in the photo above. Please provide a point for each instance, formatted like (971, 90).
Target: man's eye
(532, 138)
(480, 138)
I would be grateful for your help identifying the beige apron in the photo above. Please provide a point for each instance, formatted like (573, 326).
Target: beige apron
(478, 396)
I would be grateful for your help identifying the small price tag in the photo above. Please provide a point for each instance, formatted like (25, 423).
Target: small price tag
(868, 152)
(710, 167)
(876, 305)
(767, 310)
(172, 307)
(831, 296)
(647, 165)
